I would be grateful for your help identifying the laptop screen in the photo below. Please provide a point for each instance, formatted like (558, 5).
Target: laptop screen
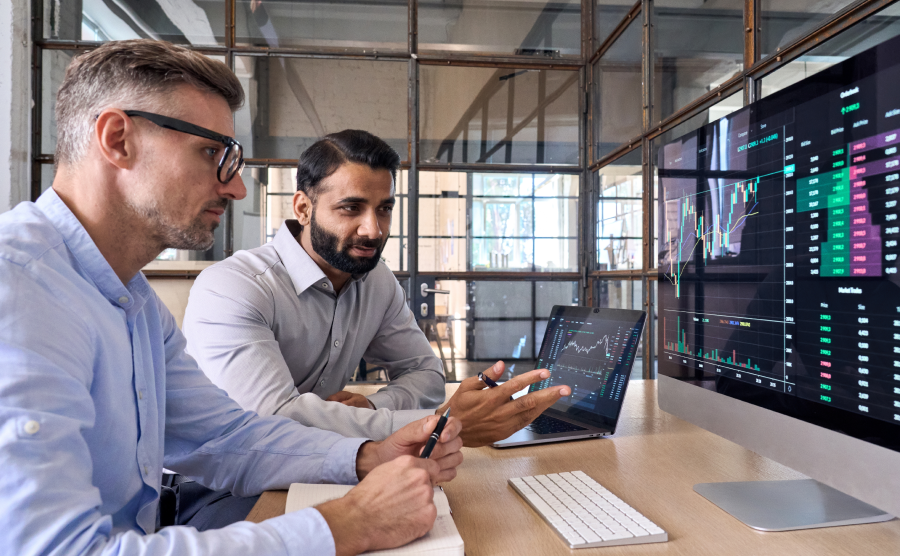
(591, 350)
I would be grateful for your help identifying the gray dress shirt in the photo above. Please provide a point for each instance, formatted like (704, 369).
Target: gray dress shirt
(266, 326)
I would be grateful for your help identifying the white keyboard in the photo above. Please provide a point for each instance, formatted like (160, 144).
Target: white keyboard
(585, 514)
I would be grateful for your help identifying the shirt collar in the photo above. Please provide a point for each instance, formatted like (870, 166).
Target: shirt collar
(93, 264)
(302, 269)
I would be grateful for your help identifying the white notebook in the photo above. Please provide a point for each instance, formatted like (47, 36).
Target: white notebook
(442, 540)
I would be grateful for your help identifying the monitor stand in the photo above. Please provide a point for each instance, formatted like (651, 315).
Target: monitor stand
(789, 505)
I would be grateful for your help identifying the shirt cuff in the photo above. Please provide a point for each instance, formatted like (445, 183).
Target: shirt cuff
(339, 467)
(407, 416)
(303, 533)
(381, 400)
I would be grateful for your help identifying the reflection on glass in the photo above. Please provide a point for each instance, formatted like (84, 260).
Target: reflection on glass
(47, 175)
(277, 186)
(618, 294)
(480, 221)
(620, 213)
(248, 231)
(178, 21)
(442, 221)
(607, 15)
(489, 320)
(719, 110)
(621, 294)
(863, 35)
(510, 318)
(502, 254)
(617, 92)
(496, 116)
(620, 218)
(537, 28)
(699, 45)
(331, 24)
(451, 321)
(783, 23)
(292, 102)
(548, 294)
(501, 299)
(506, 340)
(503, 226)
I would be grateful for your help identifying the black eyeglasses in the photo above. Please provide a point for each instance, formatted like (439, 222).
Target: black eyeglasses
(232, 160)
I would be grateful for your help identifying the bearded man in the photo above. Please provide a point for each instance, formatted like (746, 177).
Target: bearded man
(282, 327)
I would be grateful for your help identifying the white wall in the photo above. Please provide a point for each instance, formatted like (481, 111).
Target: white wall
(174, 295)
(15, 102)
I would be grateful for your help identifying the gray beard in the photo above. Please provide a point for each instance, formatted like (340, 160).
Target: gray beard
(196, 237)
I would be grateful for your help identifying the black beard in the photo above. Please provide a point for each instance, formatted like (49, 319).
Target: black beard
(325, 244)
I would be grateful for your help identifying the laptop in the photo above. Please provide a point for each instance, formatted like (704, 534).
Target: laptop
(591, 350)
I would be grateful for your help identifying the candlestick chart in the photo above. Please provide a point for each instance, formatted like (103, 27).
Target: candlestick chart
(708, 234)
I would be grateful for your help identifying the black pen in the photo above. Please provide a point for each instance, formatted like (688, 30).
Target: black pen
(433, 439)
(489, 381)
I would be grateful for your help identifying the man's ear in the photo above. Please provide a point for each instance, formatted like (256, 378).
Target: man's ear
(303, 206)
(115, 134)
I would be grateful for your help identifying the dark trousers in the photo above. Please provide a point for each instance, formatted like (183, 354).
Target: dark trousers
(185, 502)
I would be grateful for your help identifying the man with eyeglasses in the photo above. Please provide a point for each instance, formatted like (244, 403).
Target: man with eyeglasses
(96, 392)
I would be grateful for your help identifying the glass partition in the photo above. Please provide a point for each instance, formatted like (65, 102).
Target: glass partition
(783, 23)
(699, 45)
(332, 24)
(53, 69)
(498, 115)
(292, 102)
(486, 221)
(865, 34)
(550, 29)
(189, 22)
(616, 92)
(620, 213)
(607, 16)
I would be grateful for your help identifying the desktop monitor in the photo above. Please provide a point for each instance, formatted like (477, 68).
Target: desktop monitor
(779, 287)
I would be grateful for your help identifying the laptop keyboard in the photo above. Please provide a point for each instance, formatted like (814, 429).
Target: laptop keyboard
(549, 425)
(584, 513)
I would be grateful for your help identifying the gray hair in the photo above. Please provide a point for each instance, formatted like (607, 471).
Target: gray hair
(134, 74)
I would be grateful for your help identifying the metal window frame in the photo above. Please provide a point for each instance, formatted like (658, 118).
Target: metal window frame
(747, 81)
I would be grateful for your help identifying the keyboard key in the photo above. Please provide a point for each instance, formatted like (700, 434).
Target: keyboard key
(592, 537)
(549, 425)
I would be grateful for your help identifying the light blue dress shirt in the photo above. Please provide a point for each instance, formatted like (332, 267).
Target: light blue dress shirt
(97, 395)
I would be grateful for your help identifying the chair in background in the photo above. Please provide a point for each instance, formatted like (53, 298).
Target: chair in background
(364, 370)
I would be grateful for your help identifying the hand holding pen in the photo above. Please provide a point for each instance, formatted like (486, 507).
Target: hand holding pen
(410, 442)
(435, 436)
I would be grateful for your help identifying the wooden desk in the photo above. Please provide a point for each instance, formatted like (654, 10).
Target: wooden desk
(652, 462)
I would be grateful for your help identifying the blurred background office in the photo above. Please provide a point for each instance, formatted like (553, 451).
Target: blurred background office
(528, 128)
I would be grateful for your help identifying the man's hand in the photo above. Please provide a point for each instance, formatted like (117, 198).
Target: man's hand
(409, 441)
(392, 506)
(351, 399)
(488, 415)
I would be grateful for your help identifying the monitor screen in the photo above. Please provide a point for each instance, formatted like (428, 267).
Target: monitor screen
(592, 351)
(779, 234)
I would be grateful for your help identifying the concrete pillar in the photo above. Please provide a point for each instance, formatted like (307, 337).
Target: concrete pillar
(15, 102)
